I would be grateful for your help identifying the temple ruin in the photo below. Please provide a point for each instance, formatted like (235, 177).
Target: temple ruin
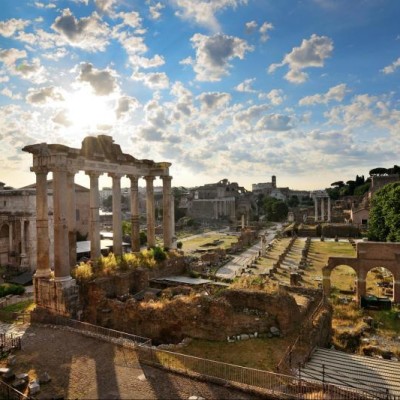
(97, 155)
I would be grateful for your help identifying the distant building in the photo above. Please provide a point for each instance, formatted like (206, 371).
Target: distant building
(18, 222)
(218, 201)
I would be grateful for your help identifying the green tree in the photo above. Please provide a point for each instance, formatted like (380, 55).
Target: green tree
(384, 221)
(276, 210)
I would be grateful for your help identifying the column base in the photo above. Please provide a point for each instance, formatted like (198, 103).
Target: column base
(60, 297)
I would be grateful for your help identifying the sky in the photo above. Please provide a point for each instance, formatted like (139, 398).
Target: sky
(307, 90)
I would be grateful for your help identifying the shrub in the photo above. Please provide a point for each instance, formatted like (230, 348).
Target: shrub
(10, 288)
(179, 245)
(82, 272)
(159, 254)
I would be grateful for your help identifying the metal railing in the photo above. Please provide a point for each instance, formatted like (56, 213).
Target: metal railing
(266, 382)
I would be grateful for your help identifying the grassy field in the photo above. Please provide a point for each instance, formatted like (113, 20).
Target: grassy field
(253, 353)
(199, 242)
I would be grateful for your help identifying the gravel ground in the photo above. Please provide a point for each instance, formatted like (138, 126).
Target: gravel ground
(86, 368)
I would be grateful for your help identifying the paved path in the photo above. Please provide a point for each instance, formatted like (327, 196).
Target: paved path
(233, 267)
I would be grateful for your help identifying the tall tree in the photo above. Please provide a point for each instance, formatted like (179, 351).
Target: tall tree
(384, 221)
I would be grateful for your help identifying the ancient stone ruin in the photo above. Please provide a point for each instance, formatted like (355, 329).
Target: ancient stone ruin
(97, 155)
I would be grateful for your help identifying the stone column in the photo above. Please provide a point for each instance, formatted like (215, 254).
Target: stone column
(117, 217)
(263, 245)
(10, 237)
(322, 209)
(71, 217)
(135, 227)
(396, 290)
(326, 280)
(22, 255)
(151, 236)
(243, 223)
(172, 216)
(61, 243)
(167, 234)
(361, 289)
(329, 209)
(316, 209)
(42, 225)
(94, 220)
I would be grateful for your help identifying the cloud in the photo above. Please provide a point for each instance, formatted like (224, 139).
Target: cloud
(248, 117)
(265, 27)
(275, 122)
(33, 71)
(44, 95)
(125, 104)
(10, 56)
(390, 69)
(155, 11)
(311, 53)
(104, 5)
(245, 86)
(215, 100)
(154, 80)
(102, 81)
(88, 33)
(9, 27)
(336, 93)
(8, 93)
(275, 96)
(38, 4)
(202, 12)
(213, 54)
(131, 19)
(61, 118)
(251, 27)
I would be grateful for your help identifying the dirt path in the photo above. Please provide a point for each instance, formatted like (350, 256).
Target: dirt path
(85, 368)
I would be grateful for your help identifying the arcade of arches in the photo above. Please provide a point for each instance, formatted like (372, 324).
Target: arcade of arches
(98, 155)
(369, 256)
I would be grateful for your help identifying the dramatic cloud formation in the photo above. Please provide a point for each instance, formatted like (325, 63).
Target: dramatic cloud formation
(311, 53)
(103, 82)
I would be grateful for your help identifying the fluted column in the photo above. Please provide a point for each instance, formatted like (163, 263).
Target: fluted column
(61, 243)
(322, 209)
(116, 211)
(329, 209)
(167, 234)
(71, 217)
(135, 227)
(151, 237)
(316, 209)
(172, 217)
(42, 225)
(94, 220)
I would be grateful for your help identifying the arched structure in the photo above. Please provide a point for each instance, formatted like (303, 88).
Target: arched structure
(98, 155)
(369, 255)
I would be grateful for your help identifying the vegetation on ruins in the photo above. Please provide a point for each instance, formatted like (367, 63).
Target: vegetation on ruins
(110, 264)
(384, 222)
(357, 187)
(275, 210)
(10, 288)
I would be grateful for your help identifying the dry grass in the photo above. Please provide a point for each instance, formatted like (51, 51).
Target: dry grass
(193, 244)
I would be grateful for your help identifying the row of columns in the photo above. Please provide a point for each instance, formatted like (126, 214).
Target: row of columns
(322, 208)
(65, 218)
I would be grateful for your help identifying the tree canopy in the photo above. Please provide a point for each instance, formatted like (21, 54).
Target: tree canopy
(384, 221)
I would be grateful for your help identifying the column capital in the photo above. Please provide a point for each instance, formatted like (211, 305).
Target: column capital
(149, 178)
(93, 174)
(40, 169)
(166, 177)
(133, 178)
(115, 175)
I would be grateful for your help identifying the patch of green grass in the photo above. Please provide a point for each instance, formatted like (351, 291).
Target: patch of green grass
(23, 306)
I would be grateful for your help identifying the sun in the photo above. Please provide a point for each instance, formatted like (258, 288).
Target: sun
(87, 111)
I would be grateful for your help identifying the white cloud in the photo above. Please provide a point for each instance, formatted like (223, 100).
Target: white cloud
(213, 54)
(9, 27)
(155, 11)
(247, 118)
(154, 80)
(103, 81)
(105, 5)
(311, 53)
(88, 33)
(390, 69)
(44, 95)
(8, 93)
(131, 19)
(246, 86)
(275, 122)
(251, 27)
(10, 56)
(203, 12)
(125, 104)
(275, 96)
(265, 27)
(336, 93)
(39, 4)
(213, 101)
(61, 118)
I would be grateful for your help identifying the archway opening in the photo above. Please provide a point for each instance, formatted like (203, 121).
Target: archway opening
(380, 282)
(343, 280)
